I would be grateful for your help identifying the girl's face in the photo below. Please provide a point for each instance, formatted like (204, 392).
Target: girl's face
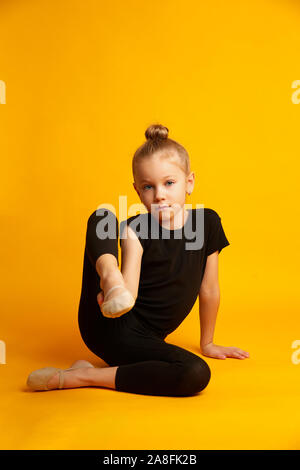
(162, 186)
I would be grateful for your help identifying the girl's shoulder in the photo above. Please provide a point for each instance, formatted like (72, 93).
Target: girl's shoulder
(139, 223)
(210, 215)
(208, 212)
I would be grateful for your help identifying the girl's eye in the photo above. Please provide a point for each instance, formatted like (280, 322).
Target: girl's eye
(149, 185)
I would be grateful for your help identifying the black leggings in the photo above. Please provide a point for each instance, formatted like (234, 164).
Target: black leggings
(147, 364)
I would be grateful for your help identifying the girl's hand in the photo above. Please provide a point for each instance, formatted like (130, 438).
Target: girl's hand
(221, 352)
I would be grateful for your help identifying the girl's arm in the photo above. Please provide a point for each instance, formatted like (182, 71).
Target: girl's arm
(209, 301)
(131, 259)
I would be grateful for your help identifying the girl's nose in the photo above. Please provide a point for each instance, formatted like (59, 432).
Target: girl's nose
(159, 200)
(159, 195)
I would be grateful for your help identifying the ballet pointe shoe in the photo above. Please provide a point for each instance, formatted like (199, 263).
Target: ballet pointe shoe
(118, 305)
(38, 379)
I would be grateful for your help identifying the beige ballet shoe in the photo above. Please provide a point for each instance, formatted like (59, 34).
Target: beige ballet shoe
(38, 379)
(80, 364)
(118, 305)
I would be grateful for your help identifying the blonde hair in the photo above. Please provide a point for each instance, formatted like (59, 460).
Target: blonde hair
(158, 142)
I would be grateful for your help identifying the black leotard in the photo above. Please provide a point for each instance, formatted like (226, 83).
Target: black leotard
(170, 280)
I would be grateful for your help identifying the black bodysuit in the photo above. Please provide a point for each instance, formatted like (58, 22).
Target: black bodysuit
(172, 268)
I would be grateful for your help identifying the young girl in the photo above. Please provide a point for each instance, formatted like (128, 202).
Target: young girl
(124, 316)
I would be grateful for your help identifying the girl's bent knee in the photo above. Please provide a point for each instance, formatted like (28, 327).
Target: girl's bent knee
(194, 379)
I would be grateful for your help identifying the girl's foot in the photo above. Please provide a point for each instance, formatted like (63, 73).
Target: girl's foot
(118, 304)
(70, 375)
(114, 278)
(101, 297)
(115, 299)
(80, 364)
(73, 378)
(50, 378)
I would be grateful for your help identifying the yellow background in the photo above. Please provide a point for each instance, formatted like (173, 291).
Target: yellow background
(83, 82)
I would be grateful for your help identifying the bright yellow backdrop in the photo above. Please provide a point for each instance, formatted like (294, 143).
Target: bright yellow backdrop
(83, 82)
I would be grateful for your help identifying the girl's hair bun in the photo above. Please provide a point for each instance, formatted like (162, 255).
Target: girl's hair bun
(158, 143)
(156, 132)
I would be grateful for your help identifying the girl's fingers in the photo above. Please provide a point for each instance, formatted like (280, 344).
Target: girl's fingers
(245, 354)
(237, 355)
(241, 352)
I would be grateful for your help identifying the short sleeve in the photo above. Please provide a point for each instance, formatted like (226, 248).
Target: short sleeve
(140, 225)
(217, 239)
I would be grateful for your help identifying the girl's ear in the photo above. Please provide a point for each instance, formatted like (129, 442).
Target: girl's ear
(191, 182)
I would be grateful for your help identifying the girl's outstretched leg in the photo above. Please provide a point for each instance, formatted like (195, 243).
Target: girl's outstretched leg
(116, 297)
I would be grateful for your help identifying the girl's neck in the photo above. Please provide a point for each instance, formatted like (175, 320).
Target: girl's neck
(177, 222)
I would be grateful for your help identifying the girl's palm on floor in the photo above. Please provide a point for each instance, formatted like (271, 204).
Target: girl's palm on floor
(222, 352)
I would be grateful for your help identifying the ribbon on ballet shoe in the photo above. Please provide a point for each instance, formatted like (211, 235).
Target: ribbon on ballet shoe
(112, 288)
